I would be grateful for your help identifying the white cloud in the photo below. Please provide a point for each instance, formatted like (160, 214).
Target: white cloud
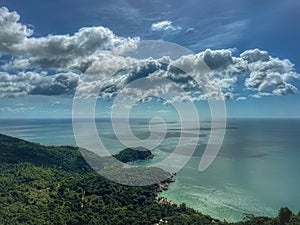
(260, 95)
(255, 55)
(56, 51)
(206, 75)
(268, 74)
(222, 62)
(163, 111)
(95, 54)
(25, 83)
(164, 26)
(241, 98)
(16, 109)
(11, 31)
(68, 52)
(188, 75)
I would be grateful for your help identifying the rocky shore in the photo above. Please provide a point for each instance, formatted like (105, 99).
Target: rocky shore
(164, 186)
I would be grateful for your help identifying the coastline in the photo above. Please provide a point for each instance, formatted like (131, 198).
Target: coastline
(164, 186)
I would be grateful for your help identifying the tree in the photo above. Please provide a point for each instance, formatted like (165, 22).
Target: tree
(284, 215)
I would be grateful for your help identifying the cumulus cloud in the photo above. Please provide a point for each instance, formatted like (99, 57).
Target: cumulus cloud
(268, 74)
(68, 52)
(206, 75)
(255, 55)
(56, 51)
(95, 54)
(222, 62)
(25, 83)
(188, 75)
(164, 26)
(265, 74)
(12, 32)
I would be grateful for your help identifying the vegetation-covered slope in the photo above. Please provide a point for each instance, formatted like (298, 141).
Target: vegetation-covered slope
(54, 185)
(66, 158)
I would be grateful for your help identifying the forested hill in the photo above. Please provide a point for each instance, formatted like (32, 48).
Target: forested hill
(53, 185)
(66, 158)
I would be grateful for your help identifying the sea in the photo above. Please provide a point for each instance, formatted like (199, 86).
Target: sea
(257, 170)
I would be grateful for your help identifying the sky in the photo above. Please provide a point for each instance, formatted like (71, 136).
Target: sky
(52, 51)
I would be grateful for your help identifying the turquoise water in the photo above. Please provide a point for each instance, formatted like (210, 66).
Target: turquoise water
(256, 171)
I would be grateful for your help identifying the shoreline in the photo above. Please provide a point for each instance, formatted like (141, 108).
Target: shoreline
(164, 186)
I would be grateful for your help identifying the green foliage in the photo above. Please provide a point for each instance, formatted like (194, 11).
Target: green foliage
(67, 158)
(134, 154)
(284, 215)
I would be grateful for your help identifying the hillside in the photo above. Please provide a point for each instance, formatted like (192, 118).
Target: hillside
(66, 158)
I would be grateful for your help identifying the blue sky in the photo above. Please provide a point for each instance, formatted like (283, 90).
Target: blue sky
(234, 25)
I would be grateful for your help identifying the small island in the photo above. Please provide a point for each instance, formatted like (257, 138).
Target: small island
(134, 154)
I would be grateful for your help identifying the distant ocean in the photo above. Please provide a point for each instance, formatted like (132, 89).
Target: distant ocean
(256, 171)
